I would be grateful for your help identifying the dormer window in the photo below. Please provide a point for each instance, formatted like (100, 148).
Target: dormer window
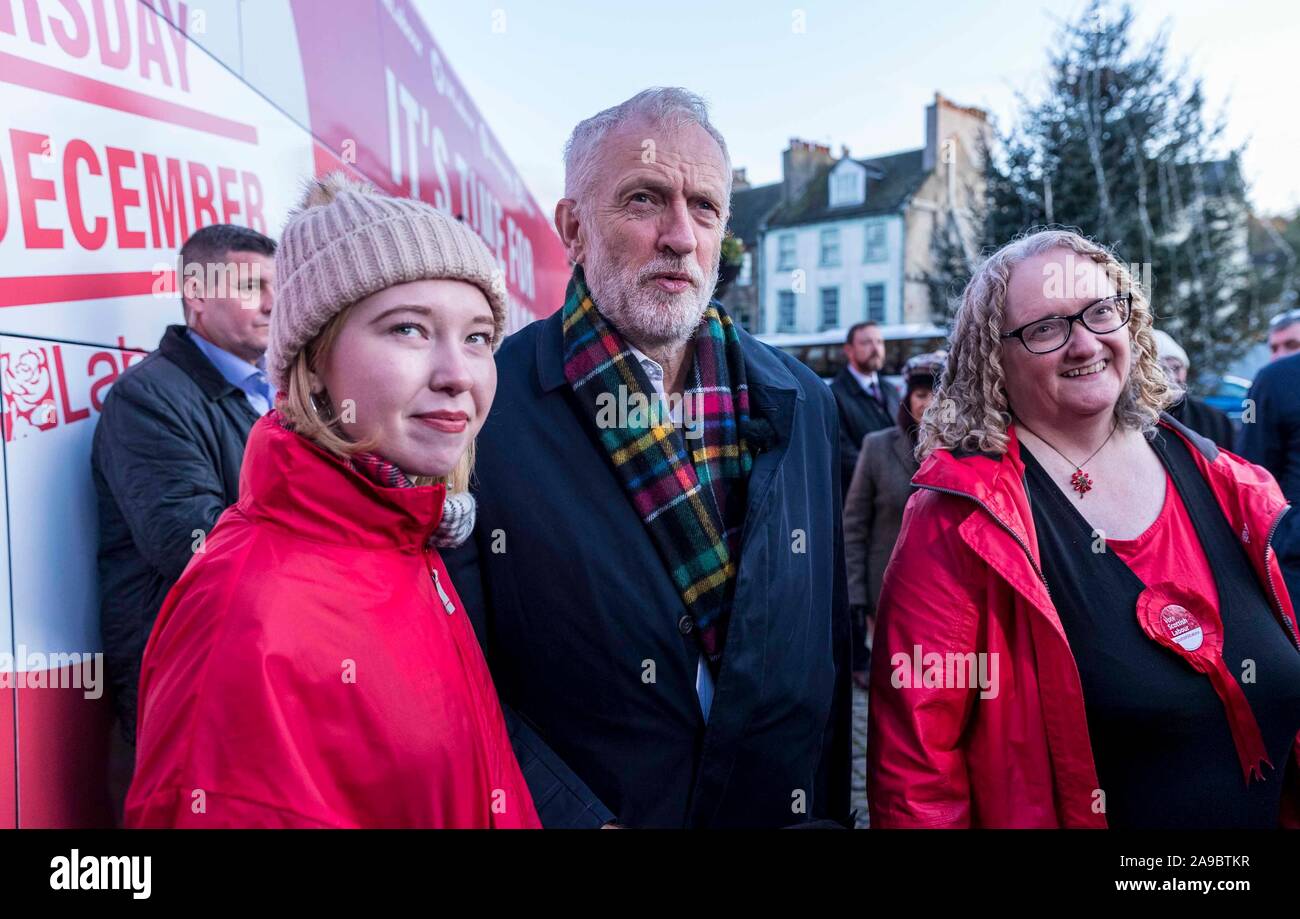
(848, 184)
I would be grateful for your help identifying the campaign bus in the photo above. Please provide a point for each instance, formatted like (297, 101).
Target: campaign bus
(125, 125)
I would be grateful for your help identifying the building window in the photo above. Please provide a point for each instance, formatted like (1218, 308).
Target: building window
(848, 184)
(830, 239)
(876, 302)
(745, 277)
(877, 250)
(785, 311)
(785, 252)
(830, 307)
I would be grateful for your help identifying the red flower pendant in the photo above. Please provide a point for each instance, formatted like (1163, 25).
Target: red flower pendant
(1081, 482)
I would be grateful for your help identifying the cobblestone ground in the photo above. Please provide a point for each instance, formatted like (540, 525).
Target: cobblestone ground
(859, 797)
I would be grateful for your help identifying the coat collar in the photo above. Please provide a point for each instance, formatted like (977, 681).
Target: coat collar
(178, 348)
(994, 481)
(288, 481)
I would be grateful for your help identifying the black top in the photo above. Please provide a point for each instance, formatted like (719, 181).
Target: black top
(1164, 752)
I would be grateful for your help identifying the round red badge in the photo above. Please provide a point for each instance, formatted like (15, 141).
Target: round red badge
(1182, 626)
(1189, 625)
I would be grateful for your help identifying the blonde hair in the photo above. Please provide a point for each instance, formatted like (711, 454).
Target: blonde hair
(970, 409)
(320, 424)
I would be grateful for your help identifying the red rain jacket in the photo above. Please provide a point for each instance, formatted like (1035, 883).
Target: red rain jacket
(313, 666)
(964, 577)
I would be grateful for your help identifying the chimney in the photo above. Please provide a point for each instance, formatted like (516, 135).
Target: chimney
(739, 180)
(966, 126)
(799, 163)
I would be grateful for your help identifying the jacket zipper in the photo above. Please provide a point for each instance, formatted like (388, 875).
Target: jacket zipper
(998, 520)
(442, 594)
(1268, 573)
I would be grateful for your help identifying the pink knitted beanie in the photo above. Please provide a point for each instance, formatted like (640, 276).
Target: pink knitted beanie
(348, 240)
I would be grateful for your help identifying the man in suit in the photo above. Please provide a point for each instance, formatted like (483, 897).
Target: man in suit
(662, 596)
(866, 403)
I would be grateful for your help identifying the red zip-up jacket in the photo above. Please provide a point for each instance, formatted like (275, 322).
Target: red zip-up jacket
(965, 577)
(314, 667)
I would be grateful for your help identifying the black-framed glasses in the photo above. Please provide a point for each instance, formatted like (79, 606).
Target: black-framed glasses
(1051, 332)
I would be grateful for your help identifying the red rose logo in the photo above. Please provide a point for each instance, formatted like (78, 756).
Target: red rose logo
(28, 393)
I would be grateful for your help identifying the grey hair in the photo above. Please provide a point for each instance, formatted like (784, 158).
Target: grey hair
(661, 105)
(1283, 320)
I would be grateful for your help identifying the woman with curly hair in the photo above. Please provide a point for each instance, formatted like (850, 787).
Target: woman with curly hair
(1084, 623)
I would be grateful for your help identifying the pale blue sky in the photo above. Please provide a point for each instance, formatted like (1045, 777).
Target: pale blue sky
(861, 74)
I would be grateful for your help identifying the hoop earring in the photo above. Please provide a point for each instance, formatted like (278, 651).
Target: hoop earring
(323, 413)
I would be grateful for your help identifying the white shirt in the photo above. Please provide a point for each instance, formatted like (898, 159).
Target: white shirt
(703, 676)
(866, 380)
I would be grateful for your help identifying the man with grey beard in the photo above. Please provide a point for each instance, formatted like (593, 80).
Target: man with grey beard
(657, 574)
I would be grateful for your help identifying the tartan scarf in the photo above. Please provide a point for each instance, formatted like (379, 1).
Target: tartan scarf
(688, 490)
(459, 509)
(378, 470)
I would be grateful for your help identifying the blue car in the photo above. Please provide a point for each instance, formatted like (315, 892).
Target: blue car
(1228, 394)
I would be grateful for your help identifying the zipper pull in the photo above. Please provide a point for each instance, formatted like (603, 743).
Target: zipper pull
(442, 594)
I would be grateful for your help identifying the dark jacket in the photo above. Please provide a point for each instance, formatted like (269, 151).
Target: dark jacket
(1272, 439)
(859, 416)
(166, 458)
(873, 510)
(580, 620)
(1205, 420)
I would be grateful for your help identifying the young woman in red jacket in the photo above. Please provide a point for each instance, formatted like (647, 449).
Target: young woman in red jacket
(313, 667)
(1084, 623)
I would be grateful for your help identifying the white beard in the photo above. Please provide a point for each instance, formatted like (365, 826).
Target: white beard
(644, 314)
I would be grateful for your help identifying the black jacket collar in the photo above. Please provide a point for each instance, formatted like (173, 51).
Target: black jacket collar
(179, 348)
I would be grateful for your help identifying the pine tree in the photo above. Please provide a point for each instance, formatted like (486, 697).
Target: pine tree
(1121, 149)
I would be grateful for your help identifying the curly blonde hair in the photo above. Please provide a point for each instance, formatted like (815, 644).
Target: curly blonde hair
(970, 409)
